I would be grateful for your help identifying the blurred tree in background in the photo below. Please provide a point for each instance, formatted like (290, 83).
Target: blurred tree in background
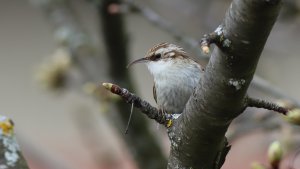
(93, 41)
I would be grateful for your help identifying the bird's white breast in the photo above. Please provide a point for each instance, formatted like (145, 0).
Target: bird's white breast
(175, 82)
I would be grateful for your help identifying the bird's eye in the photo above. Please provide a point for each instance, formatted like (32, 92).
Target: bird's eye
(157, 56)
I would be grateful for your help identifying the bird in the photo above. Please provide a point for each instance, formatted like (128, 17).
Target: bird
(175, 76)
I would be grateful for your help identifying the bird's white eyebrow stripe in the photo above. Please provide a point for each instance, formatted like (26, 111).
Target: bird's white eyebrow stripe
(169, 48)
(161, 50)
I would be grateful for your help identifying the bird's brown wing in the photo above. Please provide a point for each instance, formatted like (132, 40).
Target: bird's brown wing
(154, 93)
(202, 68)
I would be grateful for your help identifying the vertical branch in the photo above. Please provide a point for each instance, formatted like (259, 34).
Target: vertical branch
(140, 140)
(198, 136)
(115, 38)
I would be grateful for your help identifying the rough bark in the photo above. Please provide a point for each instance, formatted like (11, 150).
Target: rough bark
(198, 136)
(10, 154)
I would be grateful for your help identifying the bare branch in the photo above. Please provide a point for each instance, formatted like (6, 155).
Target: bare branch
(152, 112)
(259, 103)
(272, 90)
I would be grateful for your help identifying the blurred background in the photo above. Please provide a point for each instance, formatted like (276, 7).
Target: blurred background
(55, 53)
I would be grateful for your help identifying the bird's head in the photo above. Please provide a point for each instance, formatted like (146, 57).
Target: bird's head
(163, 56)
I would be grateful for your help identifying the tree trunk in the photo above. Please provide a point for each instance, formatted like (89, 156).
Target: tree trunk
(198, 135)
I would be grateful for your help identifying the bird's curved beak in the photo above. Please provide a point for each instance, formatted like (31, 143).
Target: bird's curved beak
(141, 60)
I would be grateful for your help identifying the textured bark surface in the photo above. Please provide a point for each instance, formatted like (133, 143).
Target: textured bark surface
(10, 154)
(198, 136)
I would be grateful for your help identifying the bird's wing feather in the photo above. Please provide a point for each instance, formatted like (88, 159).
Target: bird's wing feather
(154, 93)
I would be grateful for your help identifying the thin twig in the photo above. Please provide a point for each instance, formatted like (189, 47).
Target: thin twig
(129, 119)
(259, 103)
(144, 106)
(266, 86)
